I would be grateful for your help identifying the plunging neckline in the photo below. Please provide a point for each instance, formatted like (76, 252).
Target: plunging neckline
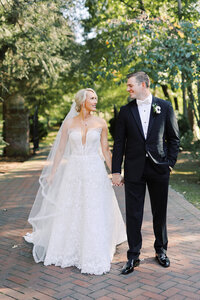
(79, 129)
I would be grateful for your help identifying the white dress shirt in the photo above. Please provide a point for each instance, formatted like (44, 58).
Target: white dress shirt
(144, 108)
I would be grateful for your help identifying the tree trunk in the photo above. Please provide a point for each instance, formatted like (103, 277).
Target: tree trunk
(179, 9)
(16, 127)
(175, 100)
(198, 103)
(165, 91)
(141, 5)
(35, 131)
(191, 117)
(193, 104)
(184, 96)
(176, 103)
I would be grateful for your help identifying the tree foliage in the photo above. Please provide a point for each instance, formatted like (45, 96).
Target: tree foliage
(40, 59)
(37, 52)
(159, 37)
(36, 45)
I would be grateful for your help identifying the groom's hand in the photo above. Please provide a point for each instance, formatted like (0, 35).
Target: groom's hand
(117, 179)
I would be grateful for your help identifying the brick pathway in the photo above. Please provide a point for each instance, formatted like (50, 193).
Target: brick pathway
(22, 278)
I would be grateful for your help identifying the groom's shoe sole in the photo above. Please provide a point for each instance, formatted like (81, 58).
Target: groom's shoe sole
(129, 266)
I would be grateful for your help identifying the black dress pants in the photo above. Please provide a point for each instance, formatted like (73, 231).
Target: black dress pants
(135, 193)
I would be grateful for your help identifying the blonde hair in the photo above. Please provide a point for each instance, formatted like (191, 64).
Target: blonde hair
(80, 97)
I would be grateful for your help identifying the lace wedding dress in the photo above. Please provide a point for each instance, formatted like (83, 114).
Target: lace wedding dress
(79, 222)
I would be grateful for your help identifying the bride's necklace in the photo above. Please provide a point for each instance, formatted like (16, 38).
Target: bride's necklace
(85, 122)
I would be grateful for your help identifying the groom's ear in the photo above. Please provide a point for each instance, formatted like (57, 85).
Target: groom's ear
(144, 84)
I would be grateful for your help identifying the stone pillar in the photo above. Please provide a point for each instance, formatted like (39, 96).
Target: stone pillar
(16, 127)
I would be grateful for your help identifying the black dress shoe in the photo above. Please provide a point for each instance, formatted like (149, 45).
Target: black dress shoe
(130, 265)
(163, 260)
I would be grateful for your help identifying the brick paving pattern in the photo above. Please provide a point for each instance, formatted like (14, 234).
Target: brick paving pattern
(21, 278)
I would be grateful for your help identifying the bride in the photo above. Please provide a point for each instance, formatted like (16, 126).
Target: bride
(75, 217)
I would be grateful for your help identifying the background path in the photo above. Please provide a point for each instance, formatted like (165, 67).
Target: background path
(22, 278)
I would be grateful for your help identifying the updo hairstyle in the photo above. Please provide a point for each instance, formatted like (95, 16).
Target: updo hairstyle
(80, 97)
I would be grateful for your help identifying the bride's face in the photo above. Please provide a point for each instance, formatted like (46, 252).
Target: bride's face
(91, 101)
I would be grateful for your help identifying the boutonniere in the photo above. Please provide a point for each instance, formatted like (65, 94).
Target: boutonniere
(156, 108)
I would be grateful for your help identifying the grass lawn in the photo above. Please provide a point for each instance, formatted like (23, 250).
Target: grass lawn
(185, 178)
(50, 138)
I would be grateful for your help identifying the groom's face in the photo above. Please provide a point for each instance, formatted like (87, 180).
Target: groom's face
(134, 88)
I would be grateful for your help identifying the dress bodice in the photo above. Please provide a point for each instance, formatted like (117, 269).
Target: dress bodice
(91, 145)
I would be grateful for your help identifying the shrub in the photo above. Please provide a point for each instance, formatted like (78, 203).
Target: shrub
(186, 140)
(183, 124)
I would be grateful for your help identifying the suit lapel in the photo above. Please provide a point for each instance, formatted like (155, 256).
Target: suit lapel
(151, 118)
(135, 113)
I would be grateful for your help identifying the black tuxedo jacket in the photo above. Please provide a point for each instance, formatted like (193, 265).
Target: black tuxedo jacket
(161, 144)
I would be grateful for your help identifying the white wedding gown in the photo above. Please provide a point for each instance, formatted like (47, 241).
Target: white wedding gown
(79, 223)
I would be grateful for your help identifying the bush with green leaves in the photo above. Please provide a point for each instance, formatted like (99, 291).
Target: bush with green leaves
(186, 140)
(183, 124)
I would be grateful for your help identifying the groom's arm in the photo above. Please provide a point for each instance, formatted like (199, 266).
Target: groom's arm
(119, 143)
(172, 134)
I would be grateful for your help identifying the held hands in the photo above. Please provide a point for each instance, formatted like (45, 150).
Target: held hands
(117, 179)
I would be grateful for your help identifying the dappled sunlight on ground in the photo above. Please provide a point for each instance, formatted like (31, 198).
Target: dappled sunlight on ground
(5, 167)
(184, 172)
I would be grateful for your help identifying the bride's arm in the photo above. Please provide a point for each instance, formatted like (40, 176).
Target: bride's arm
(105, 146)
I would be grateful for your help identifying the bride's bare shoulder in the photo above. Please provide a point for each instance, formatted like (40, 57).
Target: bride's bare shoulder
(101, 122)
(69, 122)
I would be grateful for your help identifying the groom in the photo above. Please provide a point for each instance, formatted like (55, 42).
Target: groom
(147, 133)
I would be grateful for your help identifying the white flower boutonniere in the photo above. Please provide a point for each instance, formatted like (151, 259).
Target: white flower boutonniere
(156, 108)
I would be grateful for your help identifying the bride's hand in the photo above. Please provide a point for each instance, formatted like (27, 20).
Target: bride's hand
(122, 181)
(50, 179)
(117, 179)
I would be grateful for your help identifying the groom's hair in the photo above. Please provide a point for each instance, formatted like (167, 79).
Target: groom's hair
(140, 77)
